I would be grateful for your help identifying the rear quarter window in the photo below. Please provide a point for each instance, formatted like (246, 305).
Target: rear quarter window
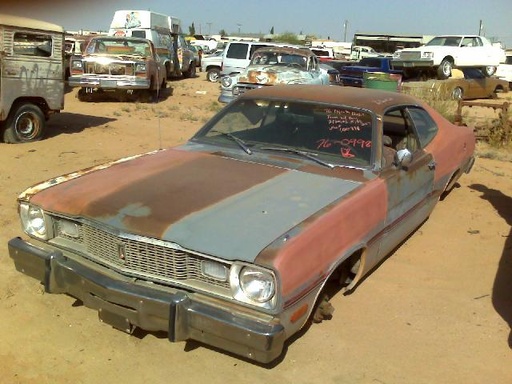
(32, 44)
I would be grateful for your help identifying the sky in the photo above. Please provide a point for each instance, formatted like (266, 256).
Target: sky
(334, 19)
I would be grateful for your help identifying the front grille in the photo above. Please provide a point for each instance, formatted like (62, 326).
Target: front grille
(244, 87)
(410, 55)
(109, 69)
(136, 256)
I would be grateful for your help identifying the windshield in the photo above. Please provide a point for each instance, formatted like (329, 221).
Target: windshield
(335, 134)
(119, 47)
(275, 58)
(449, 41)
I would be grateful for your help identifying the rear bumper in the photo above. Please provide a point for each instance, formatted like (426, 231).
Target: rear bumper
(125, 304)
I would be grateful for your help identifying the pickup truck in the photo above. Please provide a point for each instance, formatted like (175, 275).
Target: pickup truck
(352, 75)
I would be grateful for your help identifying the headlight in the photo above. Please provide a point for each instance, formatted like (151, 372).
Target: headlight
(77, 64)
(33, 221)
(257, 285)
(140, 67)
(226, 81)
(253, 285)
(236, 91)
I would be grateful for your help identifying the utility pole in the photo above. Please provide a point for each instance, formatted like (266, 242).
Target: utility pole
(480, 28)
(209, 28)
(345, 26)
(239, 25)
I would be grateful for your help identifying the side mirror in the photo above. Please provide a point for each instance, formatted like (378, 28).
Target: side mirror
(403, 158)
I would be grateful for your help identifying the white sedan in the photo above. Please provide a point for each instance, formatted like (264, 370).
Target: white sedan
(443, 53)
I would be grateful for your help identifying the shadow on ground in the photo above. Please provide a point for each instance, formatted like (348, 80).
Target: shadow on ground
(502, 288)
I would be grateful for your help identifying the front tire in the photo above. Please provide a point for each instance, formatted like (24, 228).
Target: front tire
(26, 123)
(444, 70)
(457, 93)
(213, 75)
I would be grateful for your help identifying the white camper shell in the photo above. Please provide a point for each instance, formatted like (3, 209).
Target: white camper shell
(165, 33)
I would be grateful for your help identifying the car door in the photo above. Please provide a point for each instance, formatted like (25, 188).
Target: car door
(476, 82)
(409, 187)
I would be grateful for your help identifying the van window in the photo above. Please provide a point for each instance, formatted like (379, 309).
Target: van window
(237, 51)
(31, 44)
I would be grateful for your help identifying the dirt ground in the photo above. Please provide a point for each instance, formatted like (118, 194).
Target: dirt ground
(438, 310)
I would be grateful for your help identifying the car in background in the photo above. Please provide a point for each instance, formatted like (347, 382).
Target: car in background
(314, 186)
(276, 66)
(504, 70)
(443, 53)
(212, 65)
(324, 53)
(120, 65)
(197, 52)
(470, 84)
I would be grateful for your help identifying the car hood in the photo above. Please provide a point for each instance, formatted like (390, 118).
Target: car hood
(272, 74)
(203, 202)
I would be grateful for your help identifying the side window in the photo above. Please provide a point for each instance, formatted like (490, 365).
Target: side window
(254, 47)
(425, 126)
(32, 44)
(237, 51)
(398, 130)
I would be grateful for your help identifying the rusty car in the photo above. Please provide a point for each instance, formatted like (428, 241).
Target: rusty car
(120, 65)
(239, 237)
(473, 84)
(276, 66)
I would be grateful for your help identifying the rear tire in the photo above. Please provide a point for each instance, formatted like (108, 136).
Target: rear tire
(26, 123)
(489, 70)
(191, 72)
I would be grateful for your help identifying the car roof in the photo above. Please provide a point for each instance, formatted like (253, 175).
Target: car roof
(28, 23)
(120, 38)
(375, 100)
(287, 50)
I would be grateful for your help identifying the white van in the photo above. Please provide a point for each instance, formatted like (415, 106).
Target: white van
(165, 33)
(237, 54)
(31, 77)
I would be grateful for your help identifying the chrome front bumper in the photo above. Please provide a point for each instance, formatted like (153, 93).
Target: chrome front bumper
(124, 304)
(97, 81)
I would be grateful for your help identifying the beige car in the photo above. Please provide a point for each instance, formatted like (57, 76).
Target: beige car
(32, 77)
(121, 65)
(472, 85)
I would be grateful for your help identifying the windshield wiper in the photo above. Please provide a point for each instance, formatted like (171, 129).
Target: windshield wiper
(308, 155)
(242, 144)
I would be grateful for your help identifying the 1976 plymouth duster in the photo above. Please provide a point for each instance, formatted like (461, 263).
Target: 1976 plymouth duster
(234, 238)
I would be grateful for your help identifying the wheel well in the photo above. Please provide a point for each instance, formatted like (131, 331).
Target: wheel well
(449, 58)
(39, 101)
(347, 273)
(212, 67)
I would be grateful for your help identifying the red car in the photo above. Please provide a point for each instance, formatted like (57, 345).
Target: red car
(238, 238)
